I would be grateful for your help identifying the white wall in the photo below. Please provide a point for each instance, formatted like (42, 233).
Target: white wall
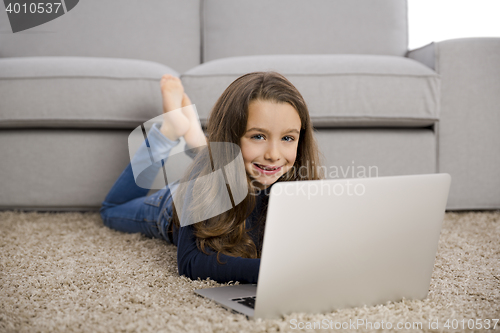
(437, 20)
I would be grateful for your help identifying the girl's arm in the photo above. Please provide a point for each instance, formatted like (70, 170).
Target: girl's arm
(195, 264)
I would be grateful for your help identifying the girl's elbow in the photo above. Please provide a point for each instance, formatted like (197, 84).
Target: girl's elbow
(184, 269)
(190, 270)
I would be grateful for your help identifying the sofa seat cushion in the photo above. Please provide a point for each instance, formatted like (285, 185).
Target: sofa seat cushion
(340, 90)
(79, 92)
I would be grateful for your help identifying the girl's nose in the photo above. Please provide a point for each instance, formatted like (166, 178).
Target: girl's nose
(272, 153)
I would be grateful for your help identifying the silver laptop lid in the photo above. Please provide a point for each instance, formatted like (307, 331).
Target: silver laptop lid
(342, 243)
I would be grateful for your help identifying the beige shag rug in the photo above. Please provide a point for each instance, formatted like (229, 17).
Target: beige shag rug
(66, 272)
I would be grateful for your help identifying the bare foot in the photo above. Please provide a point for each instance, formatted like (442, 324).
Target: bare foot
(194, 136)
(175, 123)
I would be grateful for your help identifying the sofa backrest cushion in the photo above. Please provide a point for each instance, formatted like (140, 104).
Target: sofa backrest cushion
(164, 31)
(340, 90)
(262, 27)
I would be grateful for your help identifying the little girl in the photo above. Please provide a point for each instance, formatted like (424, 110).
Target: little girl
(266, 116)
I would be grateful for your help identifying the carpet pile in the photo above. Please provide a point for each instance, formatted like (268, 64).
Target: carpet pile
(66, 272)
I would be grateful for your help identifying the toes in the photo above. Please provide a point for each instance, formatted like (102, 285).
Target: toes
(168, 77)
(170, 82)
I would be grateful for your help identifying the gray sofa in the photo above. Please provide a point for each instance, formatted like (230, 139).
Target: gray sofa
(73, 89)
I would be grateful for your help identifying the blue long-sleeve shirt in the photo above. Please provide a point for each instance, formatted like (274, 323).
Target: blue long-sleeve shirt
(195, 264)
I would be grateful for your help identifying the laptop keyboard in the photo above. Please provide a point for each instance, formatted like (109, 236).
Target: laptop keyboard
(247, 301)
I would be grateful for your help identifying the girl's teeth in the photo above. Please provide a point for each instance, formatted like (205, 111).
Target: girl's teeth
(265, 168)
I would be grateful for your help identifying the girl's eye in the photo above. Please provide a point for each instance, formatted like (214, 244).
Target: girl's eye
(258, 136)
(288, 138)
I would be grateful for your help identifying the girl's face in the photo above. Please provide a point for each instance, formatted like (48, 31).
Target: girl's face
(269, 145)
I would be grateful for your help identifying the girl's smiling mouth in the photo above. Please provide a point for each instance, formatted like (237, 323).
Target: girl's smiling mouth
(267, 169)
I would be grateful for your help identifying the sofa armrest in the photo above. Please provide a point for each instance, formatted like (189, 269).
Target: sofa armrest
(469, 125)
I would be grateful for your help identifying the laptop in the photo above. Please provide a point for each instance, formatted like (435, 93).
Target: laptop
(333, 244)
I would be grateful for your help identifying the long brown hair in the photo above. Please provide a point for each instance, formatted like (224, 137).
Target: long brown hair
(226, 233)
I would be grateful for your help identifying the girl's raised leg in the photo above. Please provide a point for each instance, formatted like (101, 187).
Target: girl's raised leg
(194, 136)
(175, 123)
(127, 207)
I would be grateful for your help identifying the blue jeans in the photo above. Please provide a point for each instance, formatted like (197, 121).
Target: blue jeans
(127, 207)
